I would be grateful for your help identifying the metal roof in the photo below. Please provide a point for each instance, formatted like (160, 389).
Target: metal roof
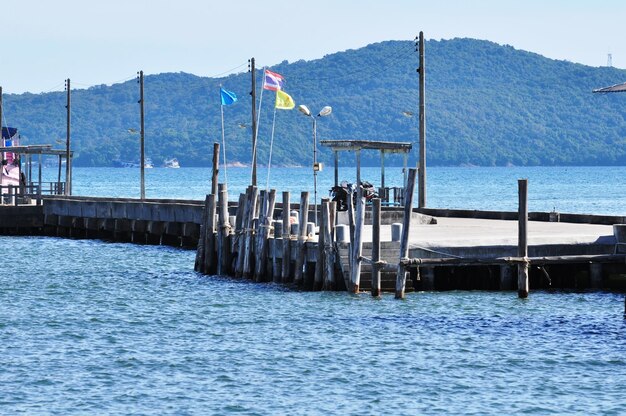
(44, 149)
(612, 88)
(386, 147)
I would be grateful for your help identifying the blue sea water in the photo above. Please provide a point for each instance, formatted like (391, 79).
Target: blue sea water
(591, 190)
(89, 327)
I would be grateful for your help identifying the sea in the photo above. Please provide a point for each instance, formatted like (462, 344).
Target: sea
(89, 327)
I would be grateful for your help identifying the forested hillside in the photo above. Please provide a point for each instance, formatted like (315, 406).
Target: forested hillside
(487, 104)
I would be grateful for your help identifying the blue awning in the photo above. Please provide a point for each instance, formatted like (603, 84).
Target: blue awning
(8, 132)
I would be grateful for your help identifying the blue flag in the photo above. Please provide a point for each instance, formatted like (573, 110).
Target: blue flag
(228, 97)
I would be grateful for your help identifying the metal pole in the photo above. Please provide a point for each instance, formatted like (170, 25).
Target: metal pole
(142, 139)
(254, 132)
(68, 171)
(422, 163)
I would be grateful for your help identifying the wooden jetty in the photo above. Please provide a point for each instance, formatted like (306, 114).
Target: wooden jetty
(267, 237)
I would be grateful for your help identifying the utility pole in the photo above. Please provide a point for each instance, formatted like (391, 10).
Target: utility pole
(254, 130)
(142, 137)
(68, 159)
(422, 107)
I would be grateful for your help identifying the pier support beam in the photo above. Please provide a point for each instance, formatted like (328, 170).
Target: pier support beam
(595, 275)
(404, 240)
(522, 245)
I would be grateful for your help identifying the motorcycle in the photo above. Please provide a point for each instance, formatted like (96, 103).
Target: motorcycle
(341, 193)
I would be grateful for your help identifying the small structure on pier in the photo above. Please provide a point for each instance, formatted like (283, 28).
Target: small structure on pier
(356, 146)
(20, 184)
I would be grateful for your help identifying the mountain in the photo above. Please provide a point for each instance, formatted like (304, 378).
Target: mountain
(486, 104)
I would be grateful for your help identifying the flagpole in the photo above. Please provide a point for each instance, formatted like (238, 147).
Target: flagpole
(269, 162)
(258, 118)
(223, 140)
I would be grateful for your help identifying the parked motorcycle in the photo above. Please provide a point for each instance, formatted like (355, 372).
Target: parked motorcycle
(341, 193)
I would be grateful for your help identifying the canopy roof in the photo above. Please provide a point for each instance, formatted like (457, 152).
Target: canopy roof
(384, 147)
(613, 88)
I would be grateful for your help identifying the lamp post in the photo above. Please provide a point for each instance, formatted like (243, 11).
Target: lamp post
(316, 167)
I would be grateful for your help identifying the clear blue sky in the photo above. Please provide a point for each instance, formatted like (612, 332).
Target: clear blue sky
(104, 42)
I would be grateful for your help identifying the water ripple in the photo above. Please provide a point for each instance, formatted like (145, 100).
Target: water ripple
(119, 329)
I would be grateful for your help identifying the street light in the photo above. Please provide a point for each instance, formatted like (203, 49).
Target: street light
(316, 167)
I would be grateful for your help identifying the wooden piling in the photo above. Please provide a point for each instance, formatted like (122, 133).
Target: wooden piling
(209, 242)
(276, 259)
(404, 239)
(199, 263)
(356, 242)
(249, 234)
(286, 238)
(242, 225)
(320, 264)
(376, 285)
(223, 246)
(329, 252)
(522, 245)
(265, 224)
(216, 169)
(302, 238)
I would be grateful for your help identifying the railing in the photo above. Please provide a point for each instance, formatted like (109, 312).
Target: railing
(25, 194)
(391, 196)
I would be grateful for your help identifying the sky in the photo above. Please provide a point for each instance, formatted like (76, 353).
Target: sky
(43, 42)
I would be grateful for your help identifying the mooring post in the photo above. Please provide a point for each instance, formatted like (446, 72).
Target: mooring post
(223, 247)
(302, 237)
(216, 168)
(249, 240)
(357, 242)
(329, 252)
(209, 242)
(320, 264)
(522, 245)
(262, 210)
(286, 238)
(199, 264)
(242, 226)
(376, 247)
(406, 229)
(265, 224)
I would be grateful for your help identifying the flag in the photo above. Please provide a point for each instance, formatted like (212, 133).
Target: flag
(228, 97)
(273, 81)
(284, 101)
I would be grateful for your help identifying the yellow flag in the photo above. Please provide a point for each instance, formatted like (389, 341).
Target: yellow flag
(284, 101)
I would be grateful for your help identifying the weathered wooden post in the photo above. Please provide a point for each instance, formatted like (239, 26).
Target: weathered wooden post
(320, 264)
(286, 238)
(199, 264)
(249, 235)
(522, 245)
(302, 238)
(276, 259)
(209, 242)
(216, 168)
(376, 287)
(357, 243)
(265, 223)
(242, 227)
(329, 252)
(223, 249)
(404, 239)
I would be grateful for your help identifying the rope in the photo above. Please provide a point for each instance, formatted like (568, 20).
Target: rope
(437, 252)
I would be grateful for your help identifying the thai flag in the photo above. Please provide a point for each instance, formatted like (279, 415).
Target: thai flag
(273, 81)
